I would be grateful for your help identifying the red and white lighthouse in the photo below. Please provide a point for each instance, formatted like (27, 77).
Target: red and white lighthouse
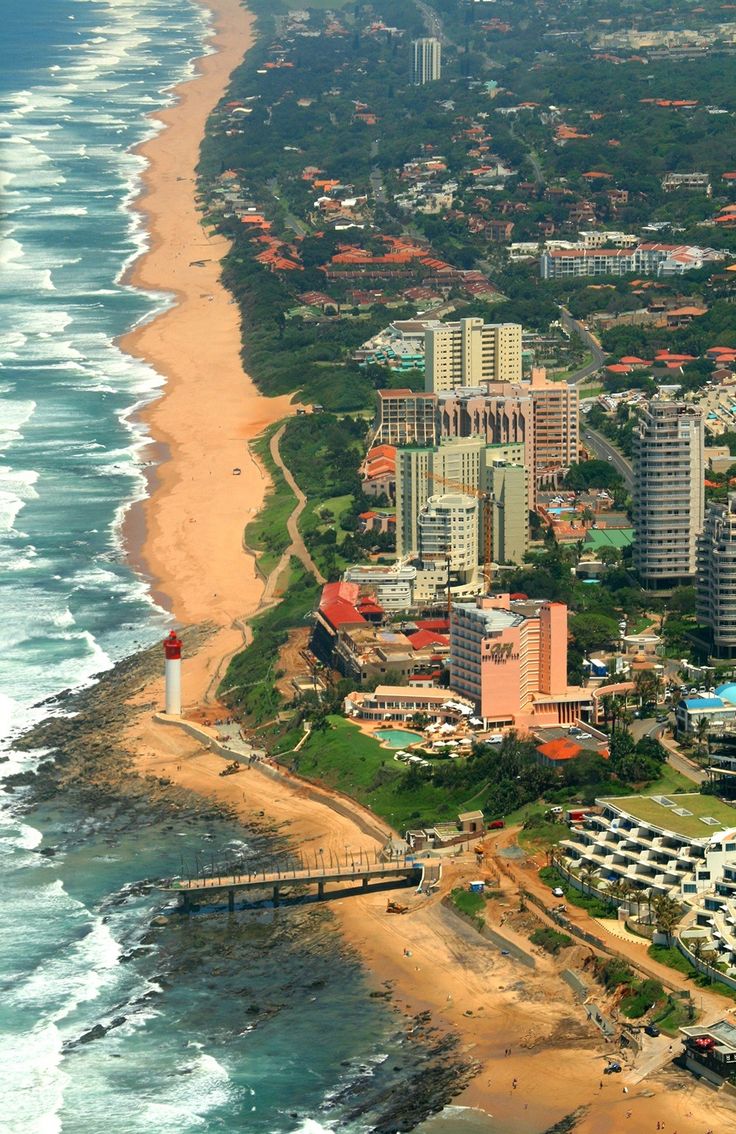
(172, 653)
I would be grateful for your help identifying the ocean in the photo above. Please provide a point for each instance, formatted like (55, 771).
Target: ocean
(257, 1022)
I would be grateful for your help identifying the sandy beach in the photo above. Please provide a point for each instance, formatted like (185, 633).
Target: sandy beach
(187, 537)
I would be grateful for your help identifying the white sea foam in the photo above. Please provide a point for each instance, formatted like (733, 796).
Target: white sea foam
(16, 489)
(186, 1100)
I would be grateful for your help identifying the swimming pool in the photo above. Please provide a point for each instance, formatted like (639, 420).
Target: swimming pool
(397, 737)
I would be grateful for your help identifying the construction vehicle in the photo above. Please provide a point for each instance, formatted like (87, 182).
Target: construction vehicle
(231, 769)
(394, 907)
(488, 500)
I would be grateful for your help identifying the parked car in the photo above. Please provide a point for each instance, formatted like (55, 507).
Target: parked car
(652, 1030)
(558, 892)
(497, 825)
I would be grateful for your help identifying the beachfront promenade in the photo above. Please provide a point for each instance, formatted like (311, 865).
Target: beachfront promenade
(426, 872)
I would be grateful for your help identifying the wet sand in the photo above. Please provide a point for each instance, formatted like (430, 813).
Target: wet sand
(188, 538)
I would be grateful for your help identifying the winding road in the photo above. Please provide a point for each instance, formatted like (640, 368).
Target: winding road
(575, 327)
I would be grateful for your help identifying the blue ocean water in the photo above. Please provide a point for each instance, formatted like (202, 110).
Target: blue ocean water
(77, 80)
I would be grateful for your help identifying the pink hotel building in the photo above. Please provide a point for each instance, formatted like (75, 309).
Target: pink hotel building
(510, 658)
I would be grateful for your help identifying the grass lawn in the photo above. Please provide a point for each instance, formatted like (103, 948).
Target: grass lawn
(345, 758)
(678, 1015)
(473, 905)
(672, 781)
(337, 506)
(594, 904)
(267, 534)
(543, 836)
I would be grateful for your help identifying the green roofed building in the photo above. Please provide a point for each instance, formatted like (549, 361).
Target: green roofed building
(679, 846)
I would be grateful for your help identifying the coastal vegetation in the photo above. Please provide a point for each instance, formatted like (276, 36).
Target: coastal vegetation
(551, 940)
(249, 682)
(471, 904)
(266, 535)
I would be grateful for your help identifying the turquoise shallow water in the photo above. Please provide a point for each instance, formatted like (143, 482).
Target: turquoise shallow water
(251, 1025)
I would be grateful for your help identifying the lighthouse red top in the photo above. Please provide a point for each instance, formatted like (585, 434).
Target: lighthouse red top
(172, 646)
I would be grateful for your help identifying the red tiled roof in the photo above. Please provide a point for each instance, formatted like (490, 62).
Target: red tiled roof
(424, 638)
(369, 606)
(438, 625)
(337, 603)
(562, 749)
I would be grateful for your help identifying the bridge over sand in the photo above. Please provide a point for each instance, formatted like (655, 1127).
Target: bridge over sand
(425, 872)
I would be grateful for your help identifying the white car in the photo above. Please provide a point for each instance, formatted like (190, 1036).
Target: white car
(558, 892)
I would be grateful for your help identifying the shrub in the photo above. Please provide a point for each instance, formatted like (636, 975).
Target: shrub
(550, 940)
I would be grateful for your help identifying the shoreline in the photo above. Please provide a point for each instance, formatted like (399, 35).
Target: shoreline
(185, 538)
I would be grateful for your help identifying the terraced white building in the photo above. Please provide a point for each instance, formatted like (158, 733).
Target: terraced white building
(679, 846)
(676, 845)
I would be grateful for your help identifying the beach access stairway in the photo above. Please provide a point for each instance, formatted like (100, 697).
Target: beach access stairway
(426, 873)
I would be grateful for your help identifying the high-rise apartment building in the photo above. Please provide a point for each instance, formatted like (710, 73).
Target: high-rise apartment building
(427, 60)
(668, 497)
(556, 423)
(510, 658)
(465, 466)
(502, 415)
(716, 576)
(406, 418)
(470, 352)
(448, 533)
(540, 414)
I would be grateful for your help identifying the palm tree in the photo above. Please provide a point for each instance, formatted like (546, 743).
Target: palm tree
(668, 913)
(648, 687)
(629, 893)
(587, 877)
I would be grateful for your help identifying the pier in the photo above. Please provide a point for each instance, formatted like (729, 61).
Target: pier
(426, 873)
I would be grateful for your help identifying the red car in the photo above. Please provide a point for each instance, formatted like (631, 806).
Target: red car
(496, 825)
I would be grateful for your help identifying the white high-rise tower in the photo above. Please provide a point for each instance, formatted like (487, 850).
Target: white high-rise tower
(427, 61)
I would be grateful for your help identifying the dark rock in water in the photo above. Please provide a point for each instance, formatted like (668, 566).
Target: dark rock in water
(97, 1032)
(160, 920)
(132, 954)
(48, 852)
